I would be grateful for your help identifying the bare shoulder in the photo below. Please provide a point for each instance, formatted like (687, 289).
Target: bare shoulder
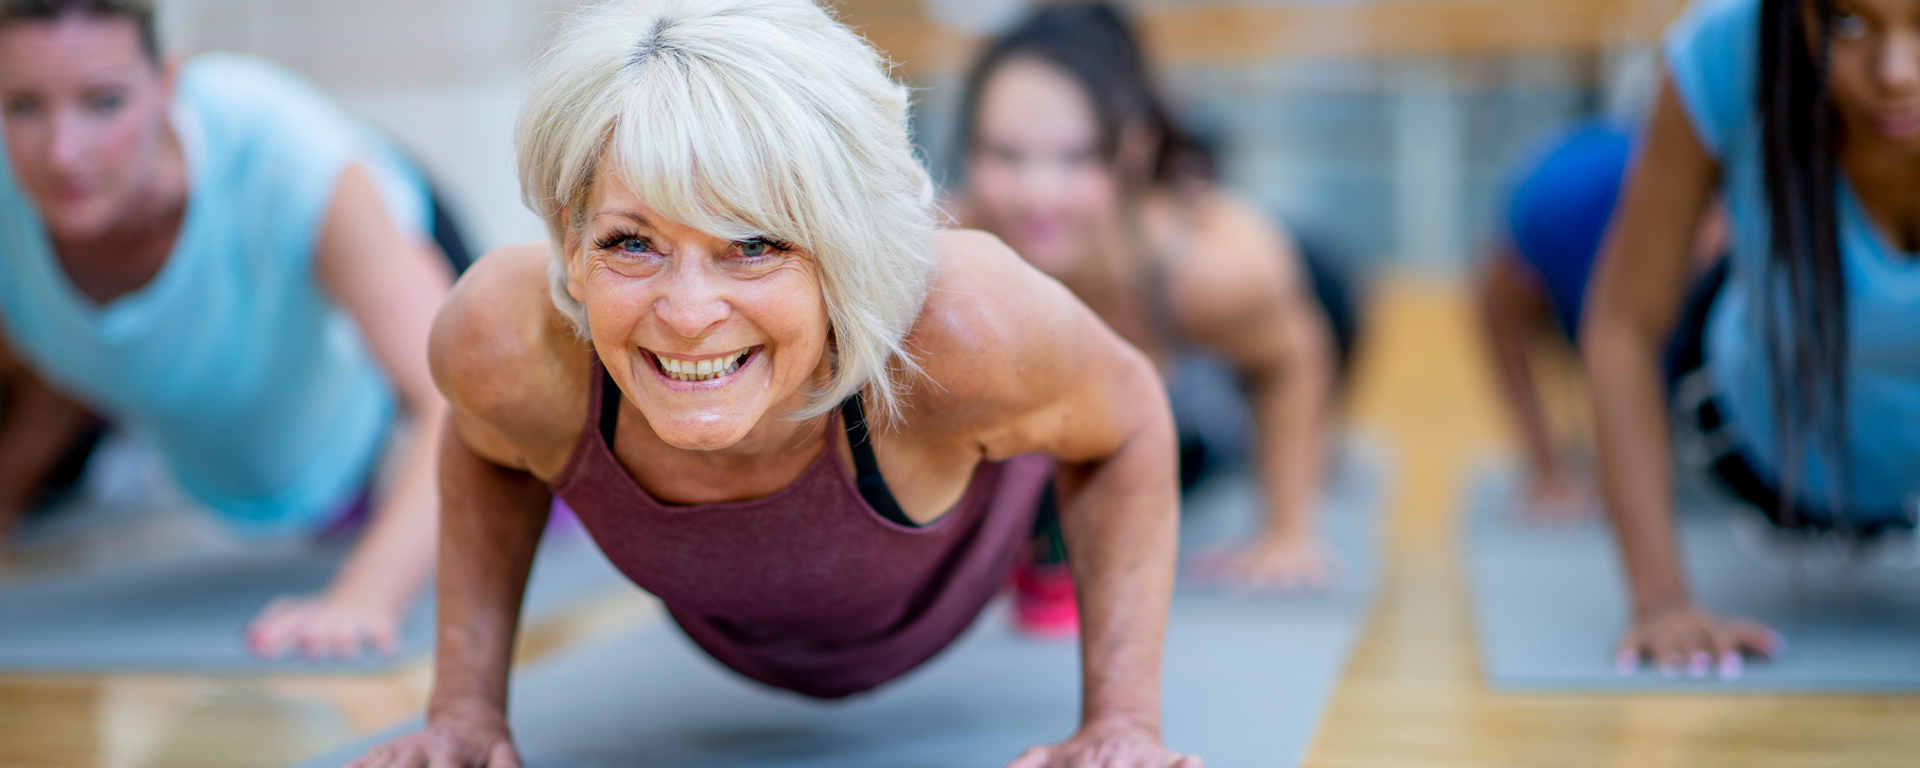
(507, 360)
(991, 322)
(1236, 261)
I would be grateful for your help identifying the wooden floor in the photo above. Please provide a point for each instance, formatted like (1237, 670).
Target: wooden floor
(1411, 697)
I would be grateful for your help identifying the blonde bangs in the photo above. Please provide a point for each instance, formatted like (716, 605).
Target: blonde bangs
(746, 118)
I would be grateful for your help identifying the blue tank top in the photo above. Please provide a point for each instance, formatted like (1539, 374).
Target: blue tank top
(1712, 56)
(258, 392)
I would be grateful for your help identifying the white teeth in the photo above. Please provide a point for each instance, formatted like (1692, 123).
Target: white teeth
(702, 370)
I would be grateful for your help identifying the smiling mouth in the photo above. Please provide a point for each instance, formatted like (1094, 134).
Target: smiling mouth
(701, 370)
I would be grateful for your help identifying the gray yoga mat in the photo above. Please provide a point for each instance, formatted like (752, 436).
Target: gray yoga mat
(1550, 601)
(1246, 679)
(190, 615)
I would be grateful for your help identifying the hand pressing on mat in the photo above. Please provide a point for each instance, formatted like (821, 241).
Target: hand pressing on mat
(468, 737)
(1559, 496)
(1686, 639)
(324, 627)
(1282, 563)
(1113, 743)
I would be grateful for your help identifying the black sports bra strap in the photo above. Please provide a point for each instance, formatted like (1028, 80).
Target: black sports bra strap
(609, 407)
(873, 487)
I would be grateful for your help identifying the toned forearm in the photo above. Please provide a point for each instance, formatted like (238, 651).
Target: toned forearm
(1505, 325)
(395, 555)
(1290, 408)
(491, 521)
(1121, 523)
(1636, 476)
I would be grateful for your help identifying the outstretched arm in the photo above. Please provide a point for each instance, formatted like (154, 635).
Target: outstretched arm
(1062, 383)
(490, 354)
(1512, 307)
(1636, 298)
(37, 426)
(1246, 294)
(392, 287)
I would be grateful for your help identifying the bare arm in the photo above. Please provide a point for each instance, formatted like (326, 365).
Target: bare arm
(392, 286)
(1635, 300)
(1066, 385)
(488, 354)
(37, 426)
(1254, 305)
(1512, 307)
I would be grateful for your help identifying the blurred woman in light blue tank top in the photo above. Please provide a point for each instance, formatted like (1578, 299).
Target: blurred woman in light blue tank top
(1802, 358)
(213, 256)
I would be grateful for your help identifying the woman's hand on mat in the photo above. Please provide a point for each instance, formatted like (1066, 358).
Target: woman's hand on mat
(1560, 496)
(1687, 640)
(1113, 743)
(324, 627)
(1272, 562)
(468, 737)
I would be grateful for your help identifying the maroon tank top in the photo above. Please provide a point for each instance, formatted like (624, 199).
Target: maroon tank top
(807, 589)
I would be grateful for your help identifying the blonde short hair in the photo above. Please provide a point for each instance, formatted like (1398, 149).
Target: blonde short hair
(745, 118)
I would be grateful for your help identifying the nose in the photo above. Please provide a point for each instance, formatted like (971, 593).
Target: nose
(1898, 66)
(692, 303)
(68, 143)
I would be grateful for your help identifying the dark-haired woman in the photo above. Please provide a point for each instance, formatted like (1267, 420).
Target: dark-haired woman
(1802, 358)
(1073, 160)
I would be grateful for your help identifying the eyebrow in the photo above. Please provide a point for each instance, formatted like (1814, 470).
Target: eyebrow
(629, 215)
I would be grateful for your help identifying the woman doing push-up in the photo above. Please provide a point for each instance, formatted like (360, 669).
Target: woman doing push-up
(1799, 359)
(777, 398)
(1072, 158)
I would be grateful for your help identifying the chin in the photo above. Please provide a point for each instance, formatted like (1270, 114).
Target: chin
(703, 431)
(78, 222)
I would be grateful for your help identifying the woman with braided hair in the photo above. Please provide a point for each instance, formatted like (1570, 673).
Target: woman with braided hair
(1801, 358)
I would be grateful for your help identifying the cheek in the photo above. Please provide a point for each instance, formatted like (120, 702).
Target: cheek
(615, 306)
(25, 143)
(996, 186)
(128, 141)
(794, 318)
(1093, 190)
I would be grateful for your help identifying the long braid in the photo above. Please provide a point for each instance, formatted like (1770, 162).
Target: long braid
(1807, 345)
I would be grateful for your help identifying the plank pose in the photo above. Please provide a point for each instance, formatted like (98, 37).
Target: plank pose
(1072, 159)
(214, 255)
(778, 399)
(1798, 359)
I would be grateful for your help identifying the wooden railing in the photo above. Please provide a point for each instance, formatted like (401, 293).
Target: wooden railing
(1255, 31)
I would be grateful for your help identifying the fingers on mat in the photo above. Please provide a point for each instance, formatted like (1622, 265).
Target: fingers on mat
(503, 755)
(1037, 757)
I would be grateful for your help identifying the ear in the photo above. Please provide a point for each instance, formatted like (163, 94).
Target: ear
(1138, 150)
(169, 77)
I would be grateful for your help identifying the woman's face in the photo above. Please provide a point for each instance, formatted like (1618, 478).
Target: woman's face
(85, 111)
(1035, 174)
(709, 337)
(1874, 71)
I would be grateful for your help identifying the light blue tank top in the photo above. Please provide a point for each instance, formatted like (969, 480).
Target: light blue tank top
(1712, 57)
(258, 392)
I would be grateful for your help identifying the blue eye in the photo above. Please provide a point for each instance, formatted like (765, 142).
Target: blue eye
(22, 107)
(1849, 26)
(107, 103)
(755, 248)
(625, 243)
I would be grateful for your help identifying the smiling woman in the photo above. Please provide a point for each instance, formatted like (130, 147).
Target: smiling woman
(743, 263)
